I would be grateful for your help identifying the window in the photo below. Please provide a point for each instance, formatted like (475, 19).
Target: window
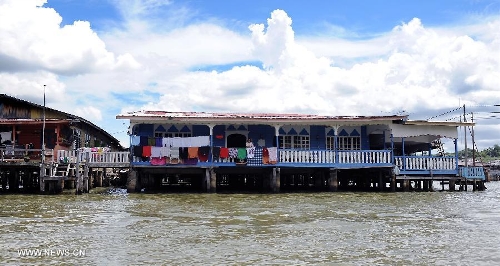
(330, 140)
(349, 143)
(175, 135)
(294, 142)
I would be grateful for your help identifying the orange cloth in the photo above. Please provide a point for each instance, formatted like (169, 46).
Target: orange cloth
(192, 152)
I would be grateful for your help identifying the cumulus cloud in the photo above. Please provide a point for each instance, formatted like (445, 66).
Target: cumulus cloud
(134, 66)
(418, 68)
(31, 38)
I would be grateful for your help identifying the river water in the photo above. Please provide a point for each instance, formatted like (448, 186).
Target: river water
(342, 228)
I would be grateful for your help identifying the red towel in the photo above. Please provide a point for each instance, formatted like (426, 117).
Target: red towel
(146, 151)
(224, 153)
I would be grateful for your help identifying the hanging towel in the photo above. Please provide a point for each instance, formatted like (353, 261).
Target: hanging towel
(224, 153)
(192, 152)
(265, 155)
(137, 150)
(151, 141)
(273, 155)
(164, 151)
(242, 153)
(135, 140)
(158, 142)
(183, 153)
(158, 161)
(143, 140)
(155, 151)
(250, 152)
(203, 153)
(174, 155)
(233, 153)
(146, 151)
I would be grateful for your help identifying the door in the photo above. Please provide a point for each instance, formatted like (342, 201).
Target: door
(236, 141)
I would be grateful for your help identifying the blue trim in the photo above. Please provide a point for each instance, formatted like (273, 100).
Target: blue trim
(403, 151)
(343, 133)
(304, 132)
(292, 132)
(331, 132)
(160, 128)
(355, 133)
(392, 149)
(172, 129)
(185, 129)
(281, 131)
(231, 127)
(242, 127)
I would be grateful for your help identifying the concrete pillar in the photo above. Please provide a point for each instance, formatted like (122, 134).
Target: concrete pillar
(393, 182)
(85, 179)
(132, 181)
(426, 185)
(58, 186)
(13, 180)
(99, 178)
(333, 182)
(318, 181)
(451, 185)
(381, 183)
(275, 180)
(69, 184)
(4, 181)
(406, 185)
(213, 181)
(266, 181)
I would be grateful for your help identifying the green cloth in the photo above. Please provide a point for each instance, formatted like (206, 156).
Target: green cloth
(242, 153)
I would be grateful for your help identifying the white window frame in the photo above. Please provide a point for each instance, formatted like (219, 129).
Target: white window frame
(300, 142)
(348, 143)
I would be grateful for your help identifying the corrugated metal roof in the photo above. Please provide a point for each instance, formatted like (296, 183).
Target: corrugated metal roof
(257, 116)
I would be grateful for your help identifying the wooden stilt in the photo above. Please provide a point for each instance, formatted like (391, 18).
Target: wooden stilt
(406, 185)
(132, 181)
(275, 180)
(393, 182)
(451, 185)
(333, 180)
(213, 181)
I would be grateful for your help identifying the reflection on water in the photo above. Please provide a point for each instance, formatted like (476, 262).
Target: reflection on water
(436, 228)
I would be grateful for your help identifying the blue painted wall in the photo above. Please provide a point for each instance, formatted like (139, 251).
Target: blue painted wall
(317, 137)
(365, 140)
(255, 132)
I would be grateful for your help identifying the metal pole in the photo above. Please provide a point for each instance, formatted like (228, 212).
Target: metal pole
(43, 127)
(465, 140)
(473, 141)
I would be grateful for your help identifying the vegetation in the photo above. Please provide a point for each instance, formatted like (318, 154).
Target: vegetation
(488, 154)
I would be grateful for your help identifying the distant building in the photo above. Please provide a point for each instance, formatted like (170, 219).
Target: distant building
(21, 124)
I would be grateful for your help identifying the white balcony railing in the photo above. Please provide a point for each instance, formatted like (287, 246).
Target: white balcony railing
(93, 157)
(329, 156)
(365, 157)
(425, 163)
(306, 156)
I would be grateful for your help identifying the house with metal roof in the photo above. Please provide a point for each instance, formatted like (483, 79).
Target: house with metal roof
(289, 152)
(27, 129)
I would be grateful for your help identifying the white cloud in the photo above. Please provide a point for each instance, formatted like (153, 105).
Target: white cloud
(89, 112)
(31, 37)
(413, 67)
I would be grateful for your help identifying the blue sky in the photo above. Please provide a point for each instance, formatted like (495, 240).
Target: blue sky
(100, 58)
(310, 17)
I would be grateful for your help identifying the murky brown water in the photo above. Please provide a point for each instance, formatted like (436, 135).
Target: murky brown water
(424, 228)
